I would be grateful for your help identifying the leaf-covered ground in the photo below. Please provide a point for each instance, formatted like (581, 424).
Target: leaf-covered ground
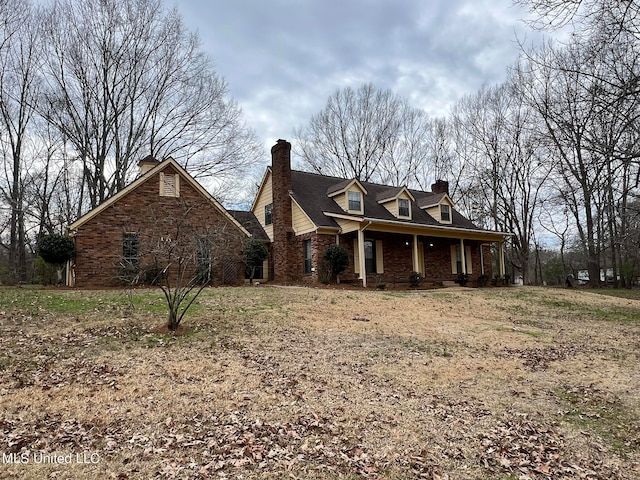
(268, 382)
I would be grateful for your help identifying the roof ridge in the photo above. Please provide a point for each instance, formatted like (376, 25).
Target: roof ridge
(363, 182)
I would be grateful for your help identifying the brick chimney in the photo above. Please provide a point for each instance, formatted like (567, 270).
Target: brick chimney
(441, 186)
(284, 255)
(146, 164)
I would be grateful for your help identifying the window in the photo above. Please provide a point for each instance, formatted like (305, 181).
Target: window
(307, 256)
(268, 214)
(169, 185)
(257, 271)
(355, 202)
(130, 247)
(203, 257)
(373, 256)
(456, 259)
(370, 256)
(445, 213)
(403, 207)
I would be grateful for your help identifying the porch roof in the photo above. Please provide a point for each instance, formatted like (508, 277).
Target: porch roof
(309, 190)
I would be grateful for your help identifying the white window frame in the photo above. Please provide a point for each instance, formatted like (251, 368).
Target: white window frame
(408, 215)
(448, 207)
(359, 200)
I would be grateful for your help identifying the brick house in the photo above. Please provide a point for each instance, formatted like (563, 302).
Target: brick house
(388, 232)
(163, 212)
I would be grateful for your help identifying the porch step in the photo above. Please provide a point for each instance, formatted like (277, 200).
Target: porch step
(449, 283)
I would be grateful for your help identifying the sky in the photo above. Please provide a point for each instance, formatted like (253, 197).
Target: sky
(282, 59)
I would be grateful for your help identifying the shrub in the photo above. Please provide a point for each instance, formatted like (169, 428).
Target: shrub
(56, 249)
(46, 273)
(414, 279)
(255, 253)
(462, 279)
(337, 260)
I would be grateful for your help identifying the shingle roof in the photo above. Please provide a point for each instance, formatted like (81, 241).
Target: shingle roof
(249, 221)
(310, 191)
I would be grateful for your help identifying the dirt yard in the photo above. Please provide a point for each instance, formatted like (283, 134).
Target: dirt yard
(266, 382)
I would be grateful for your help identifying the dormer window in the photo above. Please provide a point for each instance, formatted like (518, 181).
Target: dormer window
(355, 201)
(403, 208)
(445, 213)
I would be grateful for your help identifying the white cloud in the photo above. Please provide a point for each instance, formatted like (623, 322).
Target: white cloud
(283, 58)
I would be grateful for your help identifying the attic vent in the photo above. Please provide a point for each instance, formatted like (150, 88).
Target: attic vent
(169, 185)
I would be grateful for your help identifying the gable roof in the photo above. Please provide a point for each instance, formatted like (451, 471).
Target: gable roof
(310, 191)
(392, 194)
(344, 185)
(434, 200)
(146, 176)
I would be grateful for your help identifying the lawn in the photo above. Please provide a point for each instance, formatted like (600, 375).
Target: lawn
(272, 382)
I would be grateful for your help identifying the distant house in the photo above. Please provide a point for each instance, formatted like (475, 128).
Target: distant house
(388, 232)
(122, 237)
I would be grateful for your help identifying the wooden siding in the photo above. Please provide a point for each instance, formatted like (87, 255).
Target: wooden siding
(265, 198)
(301, 222)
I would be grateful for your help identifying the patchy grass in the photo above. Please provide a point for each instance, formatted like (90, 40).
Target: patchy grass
(269, 382)
(603, 415)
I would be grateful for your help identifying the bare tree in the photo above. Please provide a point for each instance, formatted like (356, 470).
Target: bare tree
(368, 134)
(19, 64)
(182, 253)
(590, 123)
(608, 18)
(502, 182)
(126, 79)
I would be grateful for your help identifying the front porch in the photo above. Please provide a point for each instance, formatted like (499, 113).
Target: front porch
(390, 258)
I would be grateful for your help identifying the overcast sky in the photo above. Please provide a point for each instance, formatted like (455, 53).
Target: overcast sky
(283, 58)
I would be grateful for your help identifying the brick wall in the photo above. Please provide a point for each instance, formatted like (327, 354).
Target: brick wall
(397, 258)
(285, 269)
(144, 211)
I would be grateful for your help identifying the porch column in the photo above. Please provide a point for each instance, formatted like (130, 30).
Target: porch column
(416, 262)
(463, 260)
(501, 258)
(481, 259)
(363, 265)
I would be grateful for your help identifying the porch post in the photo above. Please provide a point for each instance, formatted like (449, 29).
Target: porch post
(481, 259)
(501, 258)
(363, 265)
(463, 260)
(416, 262)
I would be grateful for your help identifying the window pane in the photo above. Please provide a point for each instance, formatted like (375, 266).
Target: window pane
(130, 245)
(354, 201)
(370, 256)
(307, 256)
(204, 259)
(445, 214)
(403, 207)
(268, 214)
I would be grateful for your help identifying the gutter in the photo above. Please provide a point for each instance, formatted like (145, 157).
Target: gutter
(437, 227)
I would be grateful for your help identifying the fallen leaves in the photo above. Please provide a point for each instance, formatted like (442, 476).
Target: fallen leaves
(539, 358)
(525, 447)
